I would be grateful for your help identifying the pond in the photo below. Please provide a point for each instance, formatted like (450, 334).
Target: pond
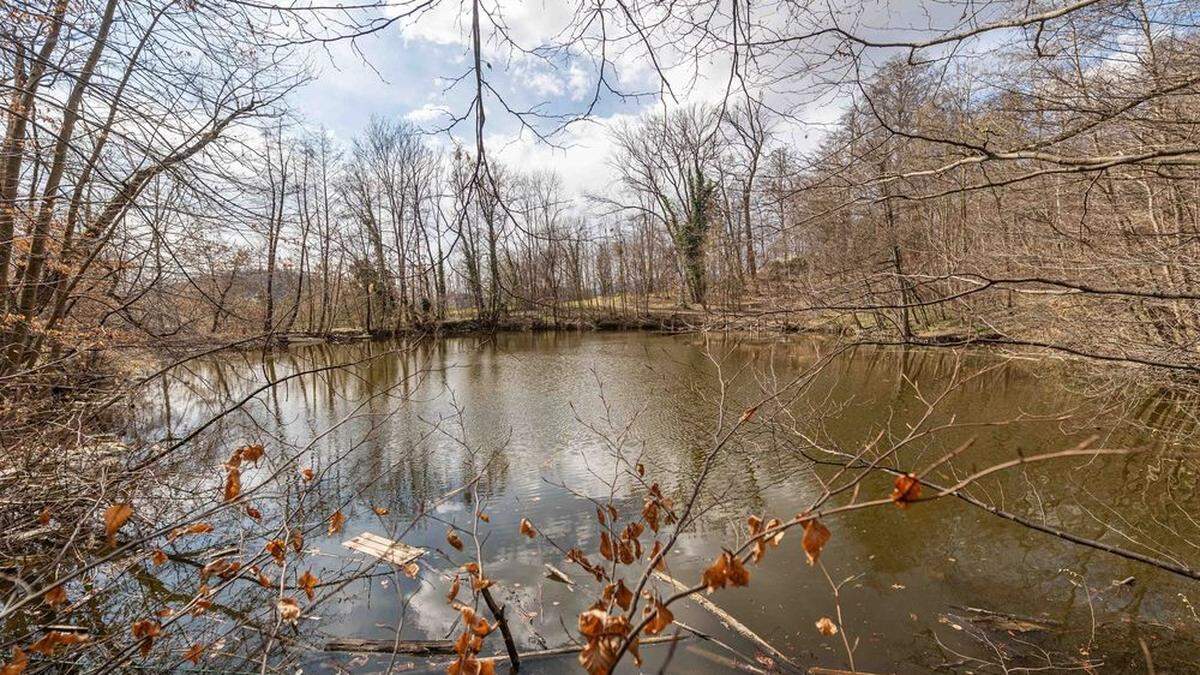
(538, 418)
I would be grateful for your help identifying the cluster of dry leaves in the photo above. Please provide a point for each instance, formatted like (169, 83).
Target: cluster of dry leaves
(475, 627)
(607, 626)
(146, 631)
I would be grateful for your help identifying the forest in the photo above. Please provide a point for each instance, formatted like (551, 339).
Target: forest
(274, 273)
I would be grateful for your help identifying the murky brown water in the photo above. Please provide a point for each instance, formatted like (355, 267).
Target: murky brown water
(532, 397)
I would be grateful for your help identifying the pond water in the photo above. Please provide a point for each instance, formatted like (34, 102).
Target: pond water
(537, 417)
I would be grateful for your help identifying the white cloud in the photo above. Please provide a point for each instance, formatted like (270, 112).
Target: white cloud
(544, 84)
(579, 82)
(793, 80)
(583, 160)
(428, 114)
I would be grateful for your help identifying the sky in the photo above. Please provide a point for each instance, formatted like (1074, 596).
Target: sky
(409, 71)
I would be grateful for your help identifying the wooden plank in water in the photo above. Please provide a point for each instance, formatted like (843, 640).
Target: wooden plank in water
(394, 552)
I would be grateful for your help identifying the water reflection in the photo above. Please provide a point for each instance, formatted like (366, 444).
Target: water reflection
(531, 412)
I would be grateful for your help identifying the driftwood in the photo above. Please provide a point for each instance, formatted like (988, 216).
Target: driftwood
(725, 662)
(571, 649)
(742, 662)
(386, 646)
(725, 617)
(440, 667)
(1004, 621)
(819, 670)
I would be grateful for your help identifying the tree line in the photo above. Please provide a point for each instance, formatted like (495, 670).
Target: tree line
(1044, 195)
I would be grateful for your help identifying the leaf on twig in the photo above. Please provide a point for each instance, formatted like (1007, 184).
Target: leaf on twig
(220, 567)
(251, 453)
(56, 597)
(308, 583)
(662, 617)
(336, 521)
(55, 639)
(18, 663)
(661, 564)
(194, 654)
(233, 483)
(194, 528)
(114, 517)
(288, 609)
(907, 490)
(145, 631)
(623, 595)
(453, 540)
(725, 570)
(261, 577)
(277, 549)
(815, 537)
(606, 548)
(757, 527)
(605, 634)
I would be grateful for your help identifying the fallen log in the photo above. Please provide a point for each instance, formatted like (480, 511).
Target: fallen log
(725, 617)
(440, 666)
(438, 647)
(571, 649)
(819, 670)
(386, 646)
(725, 662)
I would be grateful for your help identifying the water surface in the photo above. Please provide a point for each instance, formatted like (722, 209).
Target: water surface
(537, 417)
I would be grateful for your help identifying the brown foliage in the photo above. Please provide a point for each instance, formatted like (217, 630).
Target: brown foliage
(114, 518)
(816, 536)
(907, 490)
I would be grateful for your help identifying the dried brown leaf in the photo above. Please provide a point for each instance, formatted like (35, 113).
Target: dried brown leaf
(56, 597)
(308, 583)
(145, 631)
(115, 517)
(815, 537)
(288, 609)
(336, 521)
(907, 489)
(194, 654)
(233, 484)
(16, 665)
(826, 626)
(527, 529)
